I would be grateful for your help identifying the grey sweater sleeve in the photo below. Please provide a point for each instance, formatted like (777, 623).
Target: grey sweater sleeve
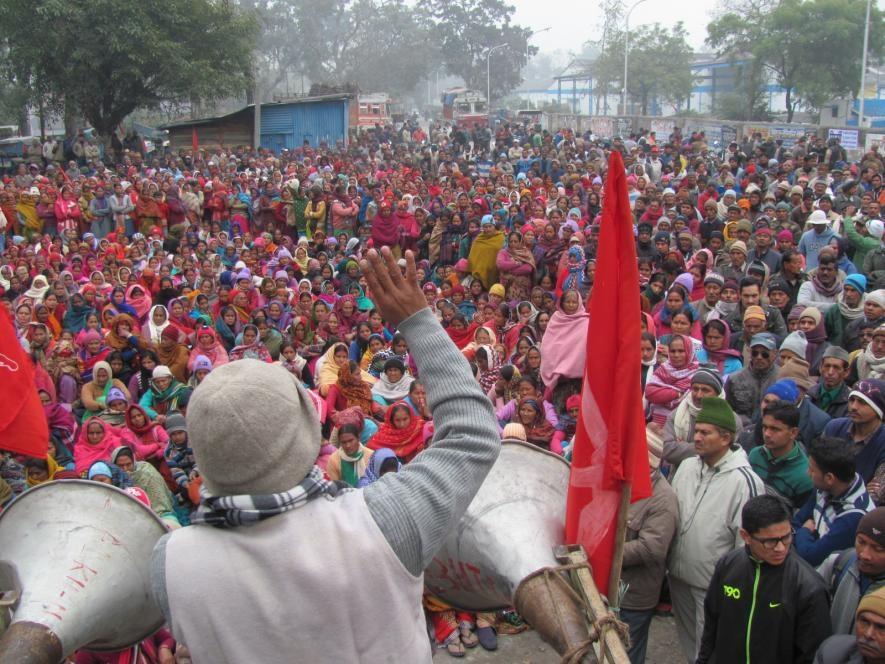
(417, 507)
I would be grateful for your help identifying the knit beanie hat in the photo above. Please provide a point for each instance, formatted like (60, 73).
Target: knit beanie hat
(873, 602)
(169, 334)
(877, 296)
(813, 313)
(778, 284)
(797, 370)
(716, 411)
(714, 278)
(754, 312)
(175, 422)
(795, 342)
(785, 390)
(873, 525)
(876, 228)
(707, 376)
(497, 289)
(115, 394)
(202, 363)
(858, 282)
(872, 392)
(574, 401)
(739, 245)
(838, 352)
(253, 428)
(514, 430)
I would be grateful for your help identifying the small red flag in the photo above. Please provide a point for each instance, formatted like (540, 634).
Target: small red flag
(195, 141)
(23, 426)
(610, 446)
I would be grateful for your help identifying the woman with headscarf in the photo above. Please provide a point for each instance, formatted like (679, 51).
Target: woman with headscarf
(96, 442)
(29, 221)
(228, 326)
(482, 259)
(40, 471)
(672, 379)
(77, 312)
(402, 432)
(516, 266)
(122, 336)
(393, 383)
(489, 365)
(349, 391)
(139, 299)
(149, 480)
(179, 319)
(207, 345)
(147, 438)
(165, 394)
(530, 413)
(565, 341)
(157, 321)
(383, 461)
(717, 348)
(249, 346)
(94, 393)
(173, 354)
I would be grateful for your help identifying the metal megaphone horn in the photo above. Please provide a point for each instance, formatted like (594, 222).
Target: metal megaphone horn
(75, 571)
(509, 533)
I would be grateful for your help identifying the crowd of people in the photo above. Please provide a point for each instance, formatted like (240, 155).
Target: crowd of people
(762, 285)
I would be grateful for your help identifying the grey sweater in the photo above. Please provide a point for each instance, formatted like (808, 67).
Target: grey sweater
(417, 507)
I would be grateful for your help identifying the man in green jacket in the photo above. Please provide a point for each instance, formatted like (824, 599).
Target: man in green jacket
(866, 235)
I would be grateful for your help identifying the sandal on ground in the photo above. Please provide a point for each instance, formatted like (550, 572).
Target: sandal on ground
(488, 638)
(468, 638)
(455, 648)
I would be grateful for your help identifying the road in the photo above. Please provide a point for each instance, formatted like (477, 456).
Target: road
(527, 648)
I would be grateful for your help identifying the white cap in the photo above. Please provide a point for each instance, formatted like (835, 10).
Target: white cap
(161, 371)
(818, 217)
(876, 228)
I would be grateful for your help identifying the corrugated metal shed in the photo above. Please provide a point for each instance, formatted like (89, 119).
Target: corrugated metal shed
(284, 124)
(288, 125)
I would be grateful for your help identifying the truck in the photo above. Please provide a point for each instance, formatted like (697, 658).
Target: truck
(374, 109)
(465, 108)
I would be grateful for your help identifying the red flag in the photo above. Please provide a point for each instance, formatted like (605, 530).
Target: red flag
(23, 426)
(610, 445)
(195, 141)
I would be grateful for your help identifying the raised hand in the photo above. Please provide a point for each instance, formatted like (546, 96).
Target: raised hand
(397, 296)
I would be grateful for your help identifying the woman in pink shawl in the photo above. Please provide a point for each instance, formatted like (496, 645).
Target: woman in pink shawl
(385, 228)
(565, 341)
(139, 299)
(208, 345)
(96, 442)
(672, 379)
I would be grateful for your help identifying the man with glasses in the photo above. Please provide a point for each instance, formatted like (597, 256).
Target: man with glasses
(764, 603)
(745, 388)
(828, 521)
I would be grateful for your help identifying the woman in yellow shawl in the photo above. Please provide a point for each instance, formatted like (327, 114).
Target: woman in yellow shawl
(28, 219)
(328, 366)
(40, 471)
(484, 252)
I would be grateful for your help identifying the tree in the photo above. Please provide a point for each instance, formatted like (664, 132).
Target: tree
(810, 48)
(107, 58)
(466, 29)
(659, 64)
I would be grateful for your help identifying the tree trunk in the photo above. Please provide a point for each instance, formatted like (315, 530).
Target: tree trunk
(644, 103)
(788, 101)
(72, 120)
(24, 121)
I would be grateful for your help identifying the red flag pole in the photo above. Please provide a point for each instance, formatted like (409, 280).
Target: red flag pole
(614, 579)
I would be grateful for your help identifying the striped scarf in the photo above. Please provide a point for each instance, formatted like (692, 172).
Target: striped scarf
(247, 510)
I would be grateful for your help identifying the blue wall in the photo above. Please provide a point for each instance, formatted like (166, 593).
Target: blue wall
(289, 125)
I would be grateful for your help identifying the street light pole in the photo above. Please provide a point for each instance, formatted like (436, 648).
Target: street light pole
(489, 78)
(863, 66)
(532, 34)
(627, 52)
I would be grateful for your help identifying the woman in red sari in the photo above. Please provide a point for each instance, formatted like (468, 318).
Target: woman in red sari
(402, 432)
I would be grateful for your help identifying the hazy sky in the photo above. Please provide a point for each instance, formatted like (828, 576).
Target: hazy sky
(574, 22)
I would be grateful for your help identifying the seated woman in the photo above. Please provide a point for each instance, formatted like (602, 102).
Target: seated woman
(249, 346)
(166, 394)
(349, 391)
(565, 342)
(402, 432)
(530, 414)
(207, 345)
(672, 379)
(96, 442)
(382, 462)
(115, 412)
(148, 438)
(328, 367)
(173, 353)
(393, 385)
(40, 471)
(94, 394)
(349, 462)
(149, 480)
(123, 336)
(525, 388)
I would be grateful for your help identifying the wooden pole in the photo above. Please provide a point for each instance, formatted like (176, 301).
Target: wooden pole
(614, 578)
(611, 647)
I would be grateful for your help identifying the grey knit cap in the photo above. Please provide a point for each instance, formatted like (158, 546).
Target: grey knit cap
(795, 342)
(253, 428)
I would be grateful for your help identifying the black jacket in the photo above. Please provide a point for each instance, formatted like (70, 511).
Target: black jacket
(785, 609)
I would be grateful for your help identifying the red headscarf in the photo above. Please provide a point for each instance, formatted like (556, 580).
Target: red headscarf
(405, 443)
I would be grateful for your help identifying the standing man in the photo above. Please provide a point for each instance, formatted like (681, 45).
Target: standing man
(780, 461)
(812, 241)
(863, 430)
(858, 571)
(269, 572)
(745, 388)
(830, 394)
(828, 521)
(711, 490)
(764, 604)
